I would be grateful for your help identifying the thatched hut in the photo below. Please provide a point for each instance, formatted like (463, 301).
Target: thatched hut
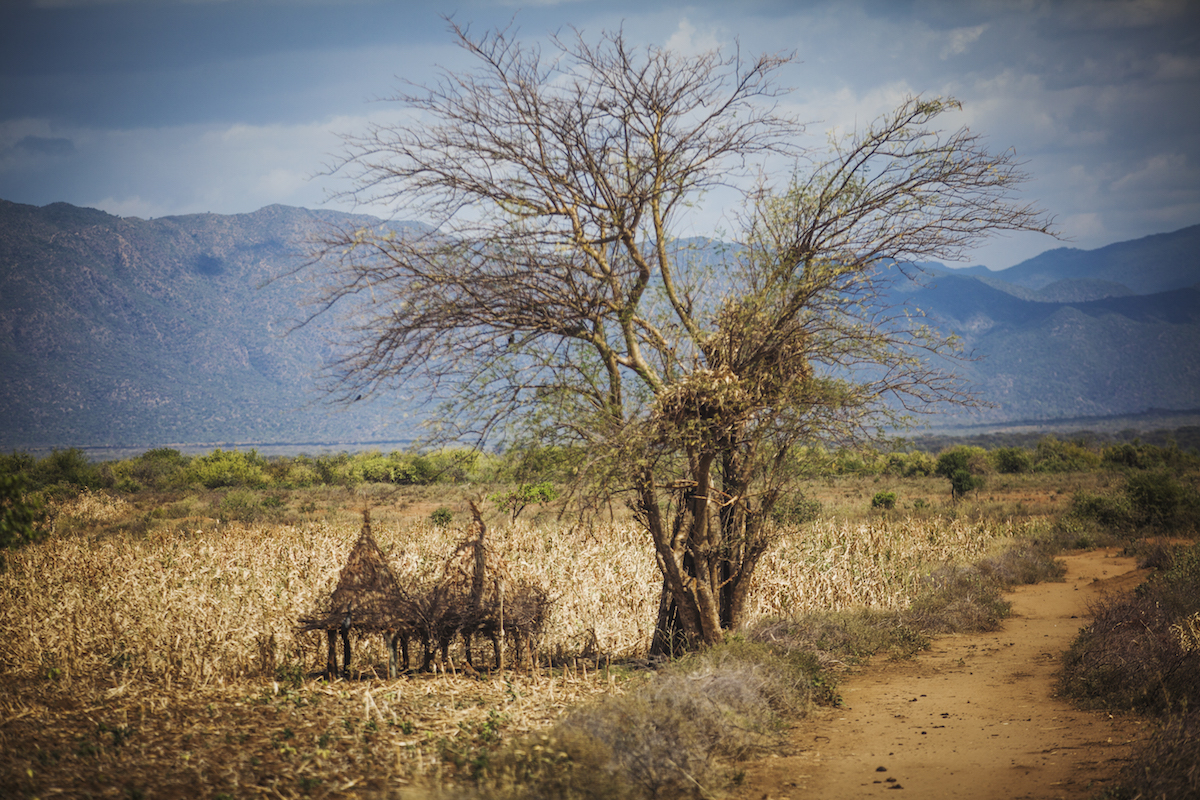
(367, 599)
(494, 606)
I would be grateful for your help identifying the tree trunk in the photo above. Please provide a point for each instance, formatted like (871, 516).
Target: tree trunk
(721, 552)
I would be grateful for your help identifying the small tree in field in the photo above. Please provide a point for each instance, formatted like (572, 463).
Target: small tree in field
(552, 301)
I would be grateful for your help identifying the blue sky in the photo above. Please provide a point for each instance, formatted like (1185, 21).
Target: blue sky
(156, 107)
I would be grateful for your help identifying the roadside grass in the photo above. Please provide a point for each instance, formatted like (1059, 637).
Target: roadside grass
(148, 643)
(1141, 653)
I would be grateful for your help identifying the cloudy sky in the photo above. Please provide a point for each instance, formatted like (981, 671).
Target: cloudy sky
(155, 107)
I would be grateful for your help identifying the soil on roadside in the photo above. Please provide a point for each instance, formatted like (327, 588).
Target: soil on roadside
(975, 716)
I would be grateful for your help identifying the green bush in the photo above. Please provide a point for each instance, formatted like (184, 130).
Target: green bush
(243, 505)
(884, 500)
(293, 473)
(1159, 499)
(1012, 460)
(858, 462)
(1137, 455)
(963, 482)
(160, 468)
(336, 470)
(451, 465)
(441, 517)
(377, 468)
(1053, 455)
(964, 458)
(17, 463)
(1111, 511)
(229, 468)
(532, 463)
(910, 465)
(66, 468)
(20, 514)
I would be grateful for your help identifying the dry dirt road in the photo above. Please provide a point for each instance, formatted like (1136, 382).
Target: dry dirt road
(975, 716)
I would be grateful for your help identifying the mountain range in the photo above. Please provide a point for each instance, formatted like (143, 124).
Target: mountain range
(140, 333)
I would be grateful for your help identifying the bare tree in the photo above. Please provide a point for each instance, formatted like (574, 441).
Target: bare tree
(551, 297)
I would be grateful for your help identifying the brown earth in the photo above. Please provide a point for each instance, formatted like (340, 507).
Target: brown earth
(975, 716)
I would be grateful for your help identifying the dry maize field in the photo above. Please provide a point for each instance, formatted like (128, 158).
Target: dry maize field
(162, 658)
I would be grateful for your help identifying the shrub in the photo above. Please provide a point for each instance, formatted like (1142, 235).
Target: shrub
(1053, 455)
(1111, 511)
(222, 468)
(17, 463)
(1137, 455)
(910, 465)
(852, 636)
(858, 462)
(1131, 455)
(535, 462)
(450, 465)
(1024, 563)
(293, 473)
(160, 468)
(1138, 652)
(1143, 652)
(884, 500)
(1012, 460)
(376, 468)
(963, 482)
(66, 468)
(240, 505)
(963, 465)
(20, 514)
(964, 458)
(675, 731)
(1159, 499)
(958, 599)
(335, 470)
(441, 517)
(1168, 764)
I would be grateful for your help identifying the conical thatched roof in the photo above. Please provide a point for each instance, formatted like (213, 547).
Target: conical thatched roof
(366, 592)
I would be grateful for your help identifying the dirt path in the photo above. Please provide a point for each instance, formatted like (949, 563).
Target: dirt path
(975, 716)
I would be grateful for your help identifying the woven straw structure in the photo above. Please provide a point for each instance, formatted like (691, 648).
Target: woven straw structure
(367, 594)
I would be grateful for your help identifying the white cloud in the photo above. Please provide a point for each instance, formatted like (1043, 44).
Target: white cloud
(1161, 176)
(687, 40)
(133, 206)
(960, 39)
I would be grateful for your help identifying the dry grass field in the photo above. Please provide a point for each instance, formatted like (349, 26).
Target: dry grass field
(148, 645)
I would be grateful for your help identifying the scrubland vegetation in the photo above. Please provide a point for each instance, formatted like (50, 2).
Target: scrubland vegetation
(149, 644)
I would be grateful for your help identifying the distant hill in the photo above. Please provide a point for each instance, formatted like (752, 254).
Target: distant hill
(1039, 360)
(136, 332)
(1158, 263)
(123, 331)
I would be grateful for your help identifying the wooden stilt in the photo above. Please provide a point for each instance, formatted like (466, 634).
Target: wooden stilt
(331, 667)
(346, 651)
(392, 642)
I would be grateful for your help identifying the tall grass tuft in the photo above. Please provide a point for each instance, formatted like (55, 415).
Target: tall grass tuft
(676, 734)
